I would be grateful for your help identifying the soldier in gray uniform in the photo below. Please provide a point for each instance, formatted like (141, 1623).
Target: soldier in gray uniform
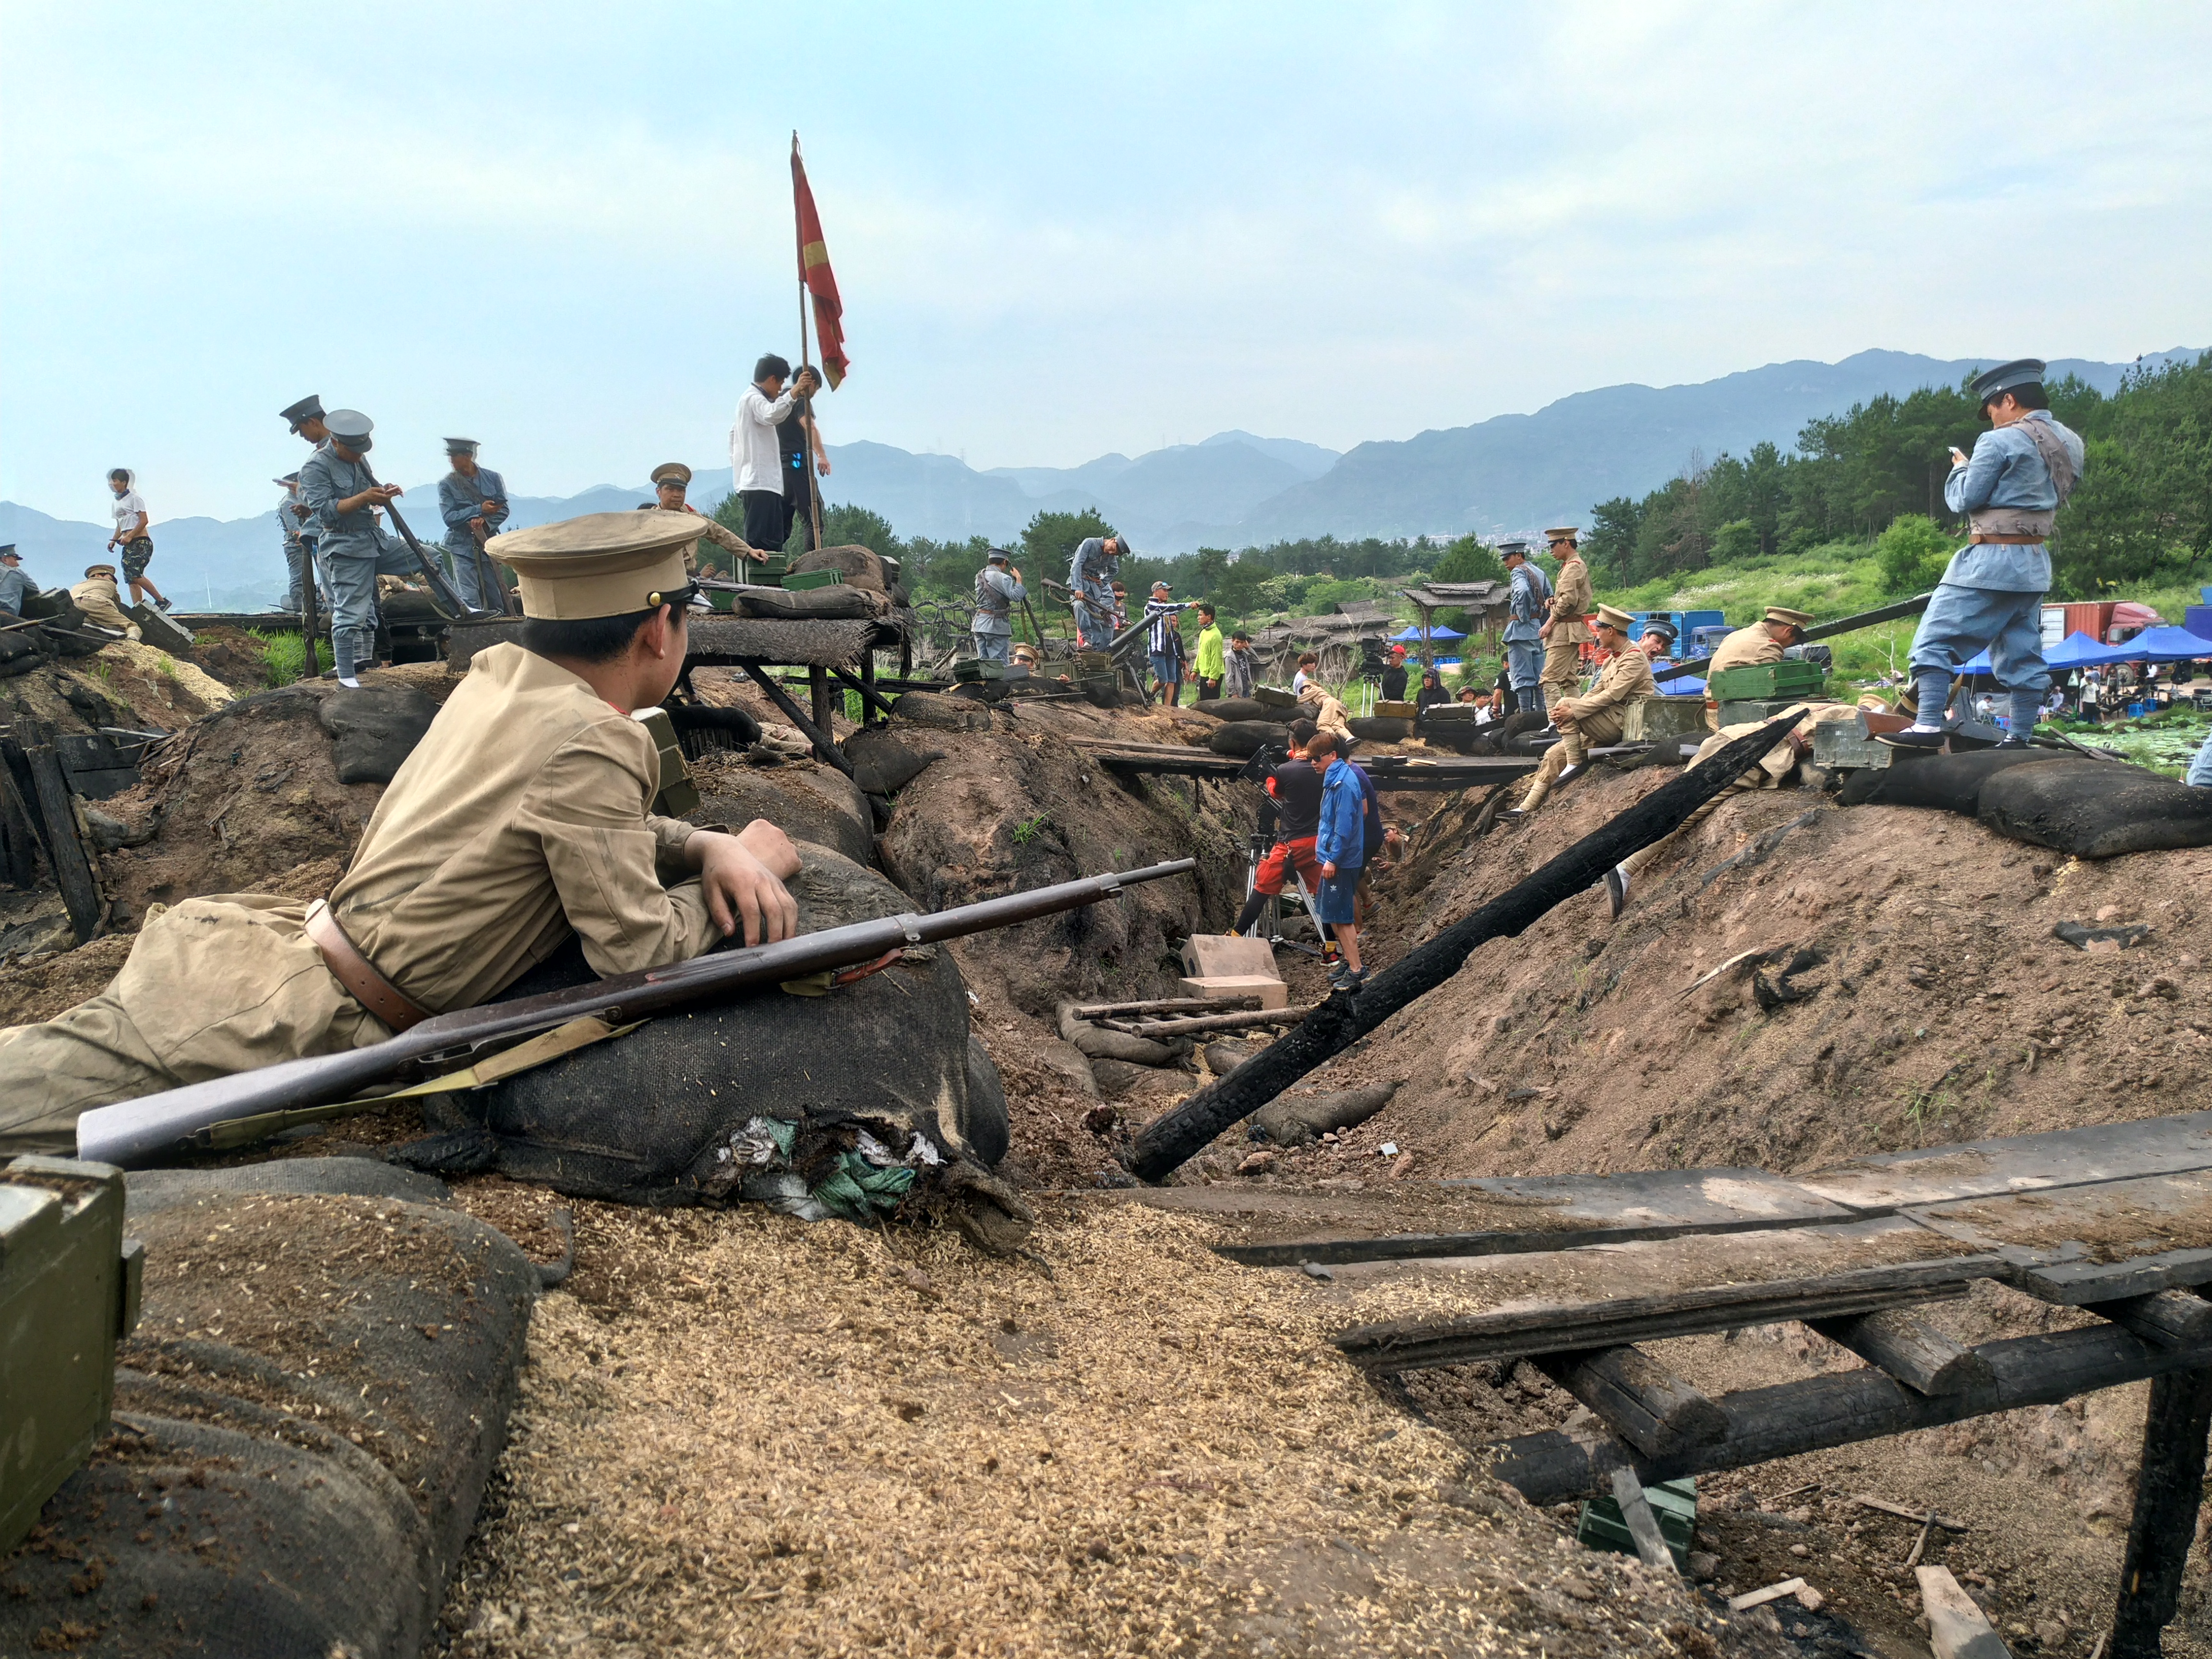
(998, 590)
(2022, 470)
(299, 564)
(472, 501)
(306, 420)
(1091, 575)
(15, 586)
(344, 496)
(1529, 603)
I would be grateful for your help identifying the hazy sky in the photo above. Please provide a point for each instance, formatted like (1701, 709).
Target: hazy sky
(1060, 230)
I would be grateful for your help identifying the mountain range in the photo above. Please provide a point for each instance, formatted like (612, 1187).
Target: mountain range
(1510, 473)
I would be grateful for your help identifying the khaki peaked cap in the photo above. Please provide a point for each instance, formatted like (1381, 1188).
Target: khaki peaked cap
(1782, 613)
(602, 564)
(672, 472)
(1563, 533)
(1613, 616)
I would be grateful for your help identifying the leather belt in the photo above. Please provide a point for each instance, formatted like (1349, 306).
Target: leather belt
(2010, 541)
(358, 974)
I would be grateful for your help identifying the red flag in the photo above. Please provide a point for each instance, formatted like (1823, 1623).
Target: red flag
(815, 274)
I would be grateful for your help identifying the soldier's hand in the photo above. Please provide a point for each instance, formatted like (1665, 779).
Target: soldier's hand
(743, 877)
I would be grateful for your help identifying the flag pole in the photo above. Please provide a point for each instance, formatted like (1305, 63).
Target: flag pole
(806, 429)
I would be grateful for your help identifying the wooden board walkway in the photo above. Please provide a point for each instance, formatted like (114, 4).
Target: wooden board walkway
(1390, 772)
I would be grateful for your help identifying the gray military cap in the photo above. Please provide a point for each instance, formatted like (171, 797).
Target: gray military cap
(462, 446)
(351, 428)
(1992, 383)
(288, 480)
(309, 407)
(998, 556)
(8, 551)
(1512, 549)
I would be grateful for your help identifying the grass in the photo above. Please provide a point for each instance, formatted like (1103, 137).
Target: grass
(283, 656)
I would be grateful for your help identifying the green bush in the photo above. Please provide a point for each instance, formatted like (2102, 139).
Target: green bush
(283, 656)
(1913, 553)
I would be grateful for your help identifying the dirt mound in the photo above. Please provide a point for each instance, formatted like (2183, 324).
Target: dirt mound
(807, 800)
(1904, 988)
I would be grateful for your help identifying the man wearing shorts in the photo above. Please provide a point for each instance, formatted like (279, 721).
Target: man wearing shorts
(133, 525)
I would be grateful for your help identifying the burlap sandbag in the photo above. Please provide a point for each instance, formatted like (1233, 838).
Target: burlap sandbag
(2096, 809)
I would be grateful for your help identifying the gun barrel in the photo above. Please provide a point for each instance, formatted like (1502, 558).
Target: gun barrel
(132, 1132)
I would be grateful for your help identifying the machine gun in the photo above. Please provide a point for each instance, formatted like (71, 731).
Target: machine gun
(1898, 612)
(179, 1120)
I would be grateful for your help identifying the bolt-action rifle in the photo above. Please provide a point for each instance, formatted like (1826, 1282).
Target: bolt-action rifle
(440, 589)
(1898, 612)
(179, 1120)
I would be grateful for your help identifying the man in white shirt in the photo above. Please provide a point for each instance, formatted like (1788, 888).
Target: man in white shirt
(133, 535)
(755, 456)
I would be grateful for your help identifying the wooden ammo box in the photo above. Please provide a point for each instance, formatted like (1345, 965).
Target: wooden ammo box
(1274, 696)
(69, 1293)
(1673, 1506)
(1650, 720)
(1391, 708)
(1758, 682)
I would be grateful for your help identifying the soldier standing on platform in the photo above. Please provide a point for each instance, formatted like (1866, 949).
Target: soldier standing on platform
(1529, 603)
(1594, 719)
(669, 481)
(344, 497)
(1991, 594)
(1091, 581)
(306, 420)
(998, 590)
(1763, 643)
(472, 501)
(299, 566)
(1566, 633)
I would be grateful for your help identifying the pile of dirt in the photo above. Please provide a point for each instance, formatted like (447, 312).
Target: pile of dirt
(1130, 1446)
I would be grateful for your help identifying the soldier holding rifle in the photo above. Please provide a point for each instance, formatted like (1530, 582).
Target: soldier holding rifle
(472, 501)
(525, 814)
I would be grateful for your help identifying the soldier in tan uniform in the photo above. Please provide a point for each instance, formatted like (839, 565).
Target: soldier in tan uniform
(1566, 633)
(524, 815)
(671, 479)
(1594, 719)
(1764, 642)
(100, 600)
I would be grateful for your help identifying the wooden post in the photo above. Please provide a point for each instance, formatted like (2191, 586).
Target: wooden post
(2169, 1487)
(825, 749)
(1910, 1350)
(868, 697)
(18, 833)
(72, 869)
(818, 686)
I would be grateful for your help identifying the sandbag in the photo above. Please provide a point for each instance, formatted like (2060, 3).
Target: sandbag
(652, 1117)
(703, 728)
(1242, 708)
(1224, 1054)
(941, 710)
(1114, 1077)
(317, 1390)
(1942, 783)
(19, 651)
(843, 603)
(1292, 1120)
(375, 729)
(858, 565)
(815, 803)
(883, 763)
(1381, 728)
(1243, 738)
(2096, 809)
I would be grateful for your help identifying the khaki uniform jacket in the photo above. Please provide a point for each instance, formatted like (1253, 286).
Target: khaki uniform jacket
(713, 530)
(1747, 647)
(102, 604)
(521, 815)
(1572, 597)
(1326, 712)
(1626, 679)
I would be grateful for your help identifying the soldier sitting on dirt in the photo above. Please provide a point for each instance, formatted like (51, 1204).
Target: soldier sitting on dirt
(525, 815)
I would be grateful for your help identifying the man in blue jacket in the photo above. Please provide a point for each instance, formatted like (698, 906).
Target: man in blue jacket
(2023, 468)
(1529, 603)
(1340, 845)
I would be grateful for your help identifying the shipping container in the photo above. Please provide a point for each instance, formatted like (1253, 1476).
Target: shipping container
(2094, 620)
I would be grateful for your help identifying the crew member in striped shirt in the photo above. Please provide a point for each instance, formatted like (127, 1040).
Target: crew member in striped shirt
(1164, 642)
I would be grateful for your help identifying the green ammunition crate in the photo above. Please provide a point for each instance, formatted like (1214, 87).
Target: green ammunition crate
(1743, 713)
(678, 794)
(972, 669)
(1766, 679)
(69, 1292)
(1674, 1505)
(769, 573)
(1649, 719)
(1274, 696)
(804, 581)
(1387, 708)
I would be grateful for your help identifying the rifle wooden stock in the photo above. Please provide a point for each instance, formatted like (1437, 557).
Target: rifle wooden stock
(133, 1131)
(1826, 630)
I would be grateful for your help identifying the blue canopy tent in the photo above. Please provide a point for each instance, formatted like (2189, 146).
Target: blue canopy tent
(2167, 644)
(2078, 650)
(1439, 632)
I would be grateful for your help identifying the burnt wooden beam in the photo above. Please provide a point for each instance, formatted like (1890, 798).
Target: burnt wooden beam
(72, 867)
(19, 837)
(1909, 1349)
(1169, 1141)
(825, 747)
(1165, 1005)
(817, 691)
(2169, 1318)
(1843, 1408)
(1640, 1399)
(2169, 1488)
(1529, 1332)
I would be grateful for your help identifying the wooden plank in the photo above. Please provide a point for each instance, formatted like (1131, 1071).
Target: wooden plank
(1957, 1628)
(1165, 1005)
(1556, 1212)
(2091, 1244)
(1910, 1350)
(1641, 1401)
(1867, 1500)
(1759, 1598)
(20, 842)
(72, 865)
(2067, 1157)
(1842, 1408)
(1643, 1525)
(2169, 1318)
